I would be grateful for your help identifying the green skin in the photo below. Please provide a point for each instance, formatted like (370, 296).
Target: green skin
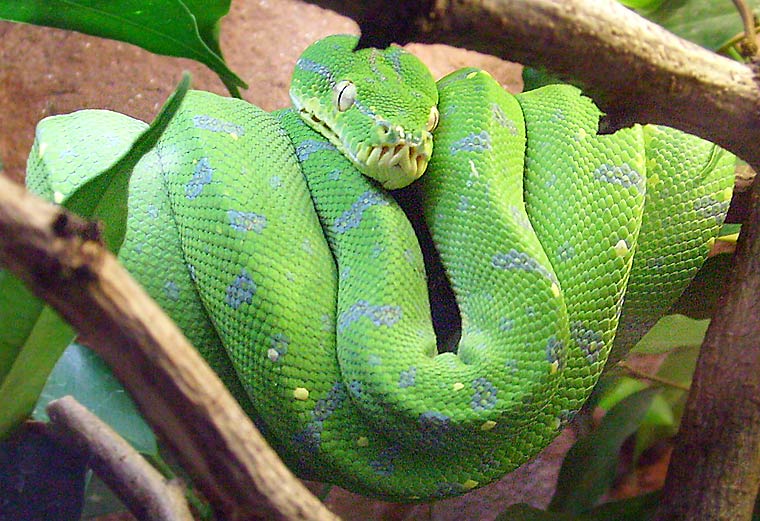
(306, 288)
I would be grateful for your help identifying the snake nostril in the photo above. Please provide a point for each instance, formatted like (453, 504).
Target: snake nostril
(384, 128)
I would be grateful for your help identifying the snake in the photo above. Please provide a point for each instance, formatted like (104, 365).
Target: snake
(274, 241)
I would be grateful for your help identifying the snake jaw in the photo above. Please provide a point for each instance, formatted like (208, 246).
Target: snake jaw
(395, 165)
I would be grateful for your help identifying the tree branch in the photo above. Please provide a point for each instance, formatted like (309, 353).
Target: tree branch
(715, 468)
(175, 390)
(140, 487)
(636, 71)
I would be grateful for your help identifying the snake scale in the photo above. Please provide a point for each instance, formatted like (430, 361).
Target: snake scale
(301, 280)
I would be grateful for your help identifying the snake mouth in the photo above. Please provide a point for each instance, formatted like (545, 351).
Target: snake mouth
(395, 165)
(394, 159)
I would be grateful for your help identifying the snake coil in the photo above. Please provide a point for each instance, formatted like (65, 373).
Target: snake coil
(301, 282)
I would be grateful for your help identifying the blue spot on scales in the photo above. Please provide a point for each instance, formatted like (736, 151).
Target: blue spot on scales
(380, 315)
(484, 397)
(432, 428)
(171, 290)
(622, 175)
(246, 221)
(311, 436)
(310, 146)
(217, 125)
(241, 290)
(406, 379)
(709, 208)
(501, 118)
(352, 217)
(393, 55)
(278, 346)
(472, 143)
(590, 341)
(554, 349)
(201, 177)
(517, 260)
(385, 463)
(311, 66)
(325, 407)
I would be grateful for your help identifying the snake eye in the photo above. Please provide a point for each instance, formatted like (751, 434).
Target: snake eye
(432, 121)
(345, 95)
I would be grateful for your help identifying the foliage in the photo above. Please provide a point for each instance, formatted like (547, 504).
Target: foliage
(32, 336)
(183, 28)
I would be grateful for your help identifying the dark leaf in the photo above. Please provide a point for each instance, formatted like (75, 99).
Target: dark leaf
(590, 465)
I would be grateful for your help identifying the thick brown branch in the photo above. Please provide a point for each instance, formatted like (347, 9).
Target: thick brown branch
(141, 488)
(715, 469)
(636, 71)
(174, 388)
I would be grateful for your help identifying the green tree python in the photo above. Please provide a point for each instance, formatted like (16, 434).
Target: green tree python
(269, 238)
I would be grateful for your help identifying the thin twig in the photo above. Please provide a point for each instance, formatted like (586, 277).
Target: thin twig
(748, 44)
(141, 487)
(651, 377)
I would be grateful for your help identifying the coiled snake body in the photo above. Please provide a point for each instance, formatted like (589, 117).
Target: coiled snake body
(301, 281)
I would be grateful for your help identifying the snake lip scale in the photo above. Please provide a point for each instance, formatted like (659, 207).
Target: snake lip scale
(270, 241)
(406, 157)
(401, 155)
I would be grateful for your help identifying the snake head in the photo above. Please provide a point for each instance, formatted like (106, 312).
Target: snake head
(377, 106)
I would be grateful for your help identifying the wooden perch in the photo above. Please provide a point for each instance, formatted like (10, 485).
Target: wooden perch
(175, 390)
(140, 487)
(715, 468)
(636, 71)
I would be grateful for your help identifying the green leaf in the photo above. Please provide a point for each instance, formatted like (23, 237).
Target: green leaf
(82, 374)
(169, 27)
(679, 366)
(662, 419)
(643, 6)
(104, 196)
(603, 386)
(207, 15)
(659, 413)
(729, 229)
(707, 23)
(670, 332)
(640, 508)
(624, 387)
(33, 336)
(100, 502)
(535, 78)
(589, 467)
(46, 337)
(19, 310)
(658, 424)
